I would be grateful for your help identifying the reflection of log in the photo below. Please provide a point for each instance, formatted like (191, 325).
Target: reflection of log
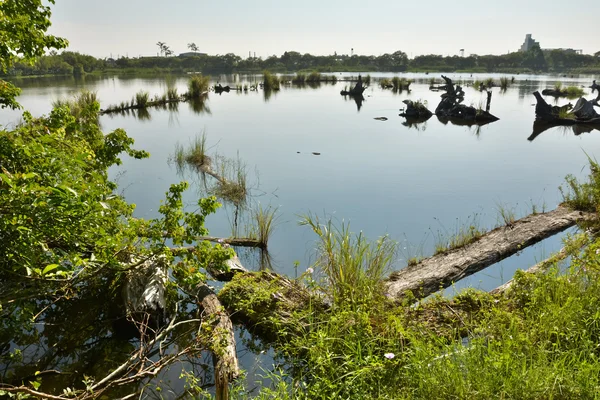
(442, 270)
(576, 127)
(223, 345)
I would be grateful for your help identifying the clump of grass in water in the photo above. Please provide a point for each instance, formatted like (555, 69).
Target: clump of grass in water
(198, 85)
(83, 105)
(141, 99)
(270, 81)
(489, 83)
(299, 79)
(353, 266)
(574, 92)
(504, 83)
(313, 77)
(558, 86)
(264, 223)
(565, 114)
(385, 83)
(366, 81)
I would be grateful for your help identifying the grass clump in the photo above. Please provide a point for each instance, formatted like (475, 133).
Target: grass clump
(573, 92)
(198, 85)
(385, 83)
(299, 79)
(462, 235)
(313, 77)
(353, 266)
(504, 83)
(141, 99)
(83, 106)
(270, 81)
(583, 196)
(264, 223)
(506, 215)
(558, 86)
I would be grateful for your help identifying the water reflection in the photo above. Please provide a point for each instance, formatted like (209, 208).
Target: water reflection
(540, 127)
(358, 99)
(419, 124)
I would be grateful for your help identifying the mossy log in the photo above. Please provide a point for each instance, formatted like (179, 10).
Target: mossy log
(582, 113)
(442, 270)
(223, 347)
(265, 302)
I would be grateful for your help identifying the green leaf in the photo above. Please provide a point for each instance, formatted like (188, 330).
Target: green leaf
(49, 268)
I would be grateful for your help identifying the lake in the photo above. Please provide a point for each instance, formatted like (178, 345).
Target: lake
(411, 183)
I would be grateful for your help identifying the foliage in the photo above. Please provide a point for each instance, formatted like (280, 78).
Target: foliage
(270, 81)
(197, 86)
(23, 26)
(583, 196)
(69, 241)
(464, 233)
(353, 266)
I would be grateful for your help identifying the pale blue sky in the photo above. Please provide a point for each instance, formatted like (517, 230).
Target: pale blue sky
(267, 27)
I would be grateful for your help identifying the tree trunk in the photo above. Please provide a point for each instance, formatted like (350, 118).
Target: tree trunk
(223, 347)
(442, 270)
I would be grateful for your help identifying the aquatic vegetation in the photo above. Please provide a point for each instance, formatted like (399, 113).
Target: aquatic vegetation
(354, 267)
(264, 223)
(504, 83)
(507, 216)
(82, 104)
(299, 79)
(270, 81)
(313, 77)
(489, 83)
(574, 92)
(558, 86)
(385, 83)
(366, 80)
(583, 196)
(141, 99)
(463, 234)
(198, 85)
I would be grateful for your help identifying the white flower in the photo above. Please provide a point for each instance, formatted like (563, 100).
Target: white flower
(310, 270)
(389, 356)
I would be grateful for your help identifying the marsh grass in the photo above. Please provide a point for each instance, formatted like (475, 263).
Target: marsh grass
(353, 266)
(464, 233)
(264, 221)
(477, 84)
(565, 114)
(299, 79)
(313, 77)
(574, 92)
(270, 81)
(558, 86)
(83, 105)
(385, 83)
(583, 196)
(489, 83)
(506, 215)
(232, 180)
(504, 83)
(197, 86)
(366, 80)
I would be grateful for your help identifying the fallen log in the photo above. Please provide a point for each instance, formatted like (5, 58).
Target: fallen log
(265, 302)
(442, 270)
(223, 345)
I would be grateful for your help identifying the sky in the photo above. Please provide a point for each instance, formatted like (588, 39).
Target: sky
(270, 27)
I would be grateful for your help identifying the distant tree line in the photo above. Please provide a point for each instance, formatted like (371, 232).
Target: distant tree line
(534, 60)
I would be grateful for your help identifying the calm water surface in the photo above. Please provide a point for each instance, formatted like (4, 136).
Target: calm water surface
(384, 177)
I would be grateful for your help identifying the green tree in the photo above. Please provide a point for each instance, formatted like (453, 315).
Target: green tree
(23, 26)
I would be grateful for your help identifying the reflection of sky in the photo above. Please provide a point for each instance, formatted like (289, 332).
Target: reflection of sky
(380, 175)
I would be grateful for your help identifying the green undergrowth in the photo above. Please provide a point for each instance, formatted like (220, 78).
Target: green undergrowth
(537, 340)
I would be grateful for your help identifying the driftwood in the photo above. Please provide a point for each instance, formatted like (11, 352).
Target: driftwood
(357, 90)
(582, 114)
(450, 106)
(221, 89)
(223, 347)
(442, 270)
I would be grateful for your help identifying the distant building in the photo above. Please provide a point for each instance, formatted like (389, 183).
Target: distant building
(192, 54)
(529, 43)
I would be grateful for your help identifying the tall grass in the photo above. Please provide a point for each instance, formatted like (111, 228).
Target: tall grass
(353, 266)
(385, 83)
(506, 216)
(558, 86)
(463, 234)
(583, 196)
(270, 81)
(198, 85)
(264, 222)
(299, 79)
(504, 83)
(141, 99)
(83, 105)
(313, 77)
(574, 92)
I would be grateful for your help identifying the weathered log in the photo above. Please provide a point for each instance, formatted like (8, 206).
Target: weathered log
(416, 110)
(442, 270)
(265, 302)
(223, 346)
